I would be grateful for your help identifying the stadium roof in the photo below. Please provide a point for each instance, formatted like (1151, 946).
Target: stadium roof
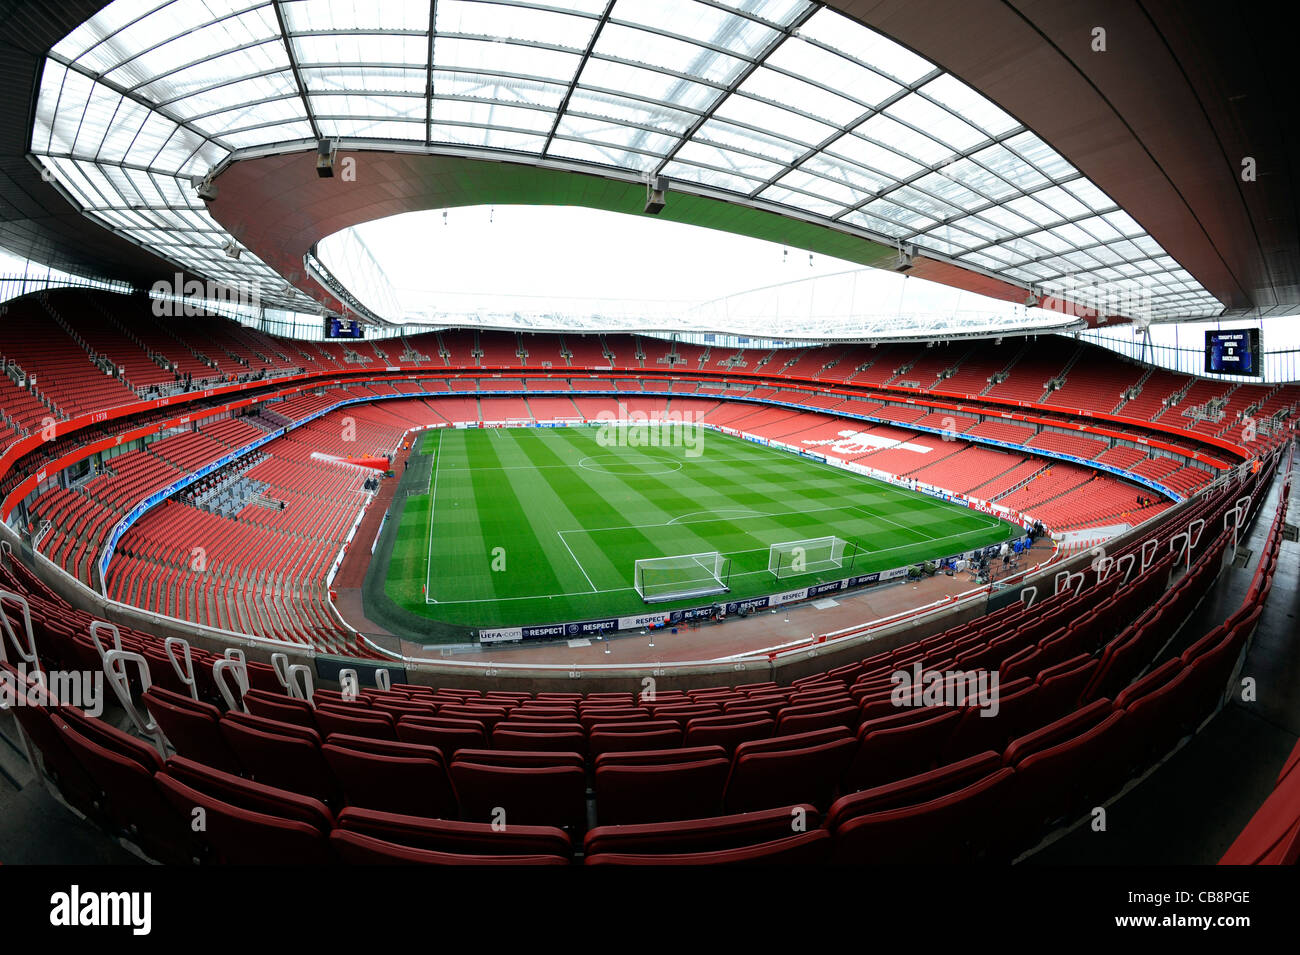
(784, 107)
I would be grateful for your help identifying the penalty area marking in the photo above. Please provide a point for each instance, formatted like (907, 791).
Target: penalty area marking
(734, 575)
(560, 535)
(628, 590)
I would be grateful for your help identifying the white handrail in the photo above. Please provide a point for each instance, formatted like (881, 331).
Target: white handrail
(280, 663)
(186, 672)
(1187, 547)
(97, 627)
(1147, 558)
(303, 689)
(26, 654)
(235, 663)
(115, 669)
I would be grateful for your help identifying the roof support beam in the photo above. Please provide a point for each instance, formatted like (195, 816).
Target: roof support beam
(782, 35)
(293, 66)
(428, 77)
(586, 55)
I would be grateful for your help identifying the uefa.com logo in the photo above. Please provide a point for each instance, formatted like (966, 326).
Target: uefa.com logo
(636, 429)
(76, 908)
(83, 689)
(918, 687)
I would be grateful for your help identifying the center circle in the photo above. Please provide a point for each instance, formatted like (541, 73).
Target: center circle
(602, 464)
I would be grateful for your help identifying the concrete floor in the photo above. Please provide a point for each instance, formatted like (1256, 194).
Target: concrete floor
(35, 827)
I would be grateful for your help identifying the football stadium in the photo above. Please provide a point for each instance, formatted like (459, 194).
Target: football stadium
(648, 433)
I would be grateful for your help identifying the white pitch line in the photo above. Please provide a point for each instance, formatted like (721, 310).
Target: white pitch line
(746, 511)
(560, 535)
(881, 517)
(743, 573)
(433, 501)
(867, 477)
(780, 454)
(678, 522)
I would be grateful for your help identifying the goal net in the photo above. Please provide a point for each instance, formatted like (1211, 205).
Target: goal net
(811, 556)
(658, 579)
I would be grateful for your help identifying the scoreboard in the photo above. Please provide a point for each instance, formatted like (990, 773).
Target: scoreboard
(1235, 352)
(343, 328)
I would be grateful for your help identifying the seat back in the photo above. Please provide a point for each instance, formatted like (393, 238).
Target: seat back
(353, 848)
(277, 706)
(336, 719)
(631, 793)
(246, 822)
(805, 848)
(415, 784)
(449, 735)
(123, 768)
(702, 835)
(291, 762)
(959, 826)
(729, 732)
(446, 835)
(527, 795)
(237, 836)
(190, 726)
(884, 755)
(764, 778)
(914, 790)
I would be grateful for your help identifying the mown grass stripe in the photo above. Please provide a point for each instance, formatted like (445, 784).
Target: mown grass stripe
(573, 514)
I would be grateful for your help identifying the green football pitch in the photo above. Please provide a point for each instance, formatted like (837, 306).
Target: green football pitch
(542, 525)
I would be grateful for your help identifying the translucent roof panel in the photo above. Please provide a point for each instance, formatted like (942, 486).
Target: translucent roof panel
(782, 104)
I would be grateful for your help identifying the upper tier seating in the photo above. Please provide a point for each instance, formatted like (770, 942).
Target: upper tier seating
(81, 517)
(63, 369)
(157, 351)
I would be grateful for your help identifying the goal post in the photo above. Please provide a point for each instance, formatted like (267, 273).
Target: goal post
(811, 556)
(681, 576)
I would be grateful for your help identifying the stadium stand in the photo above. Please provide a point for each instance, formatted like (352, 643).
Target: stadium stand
(712, 774)
(412, 774)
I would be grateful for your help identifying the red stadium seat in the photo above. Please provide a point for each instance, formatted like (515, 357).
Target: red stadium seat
(957, 813)
(702, 835)
(244, 822)
(353, 848)
(788, 770)
(405, 778)
(191, 727)
(280, 754)
(524, 795)
(445, 835)
(632, 793)
(805, 848)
